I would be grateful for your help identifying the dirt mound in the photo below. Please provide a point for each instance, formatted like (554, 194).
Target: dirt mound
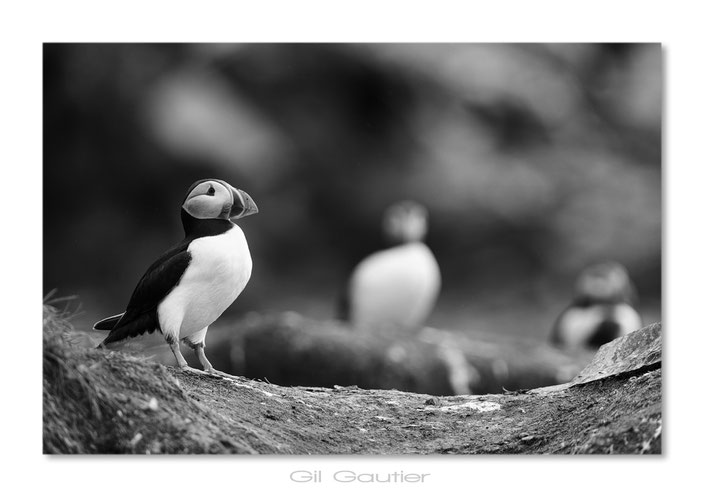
(109, 402)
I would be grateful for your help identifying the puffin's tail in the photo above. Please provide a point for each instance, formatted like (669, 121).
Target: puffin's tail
(107, 324)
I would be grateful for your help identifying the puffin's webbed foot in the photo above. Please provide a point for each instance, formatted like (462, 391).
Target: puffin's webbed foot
(183, 365)
(222, 374)
(210, 374)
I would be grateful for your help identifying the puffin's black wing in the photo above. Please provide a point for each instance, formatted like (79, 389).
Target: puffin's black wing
(343, 302)
(161, 277)
(342, 310)
(555, 333)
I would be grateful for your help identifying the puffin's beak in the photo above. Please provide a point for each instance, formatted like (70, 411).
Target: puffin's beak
(247, 207)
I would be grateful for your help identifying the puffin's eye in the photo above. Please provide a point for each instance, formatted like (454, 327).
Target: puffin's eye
(211, 190)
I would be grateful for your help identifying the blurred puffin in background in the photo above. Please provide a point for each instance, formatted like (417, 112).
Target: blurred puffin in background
(601, 309)
(396, 287)
(186, 289)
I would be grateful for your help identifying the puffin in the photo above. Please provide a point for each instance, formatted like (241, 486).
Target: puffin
(601, 310)
(189, 286)
(398, 286)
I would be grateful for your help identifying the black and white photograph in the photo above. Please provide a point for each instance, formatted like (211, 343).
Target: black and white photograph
(352, 249)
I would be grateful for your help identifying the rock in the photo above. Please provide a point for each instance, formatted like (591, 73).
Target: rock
(640, 350)
(291, 350)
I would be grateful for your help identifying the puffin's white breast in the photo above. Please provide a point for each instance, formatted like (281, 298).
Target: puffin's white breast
(579, 323)
(219, 270)
(628, 318)
(395, 287)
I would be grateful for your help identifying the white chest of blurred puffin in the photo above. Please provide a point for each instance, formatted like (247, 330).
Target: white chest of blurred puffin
(398, 286)
(601, 309)
(186, 289)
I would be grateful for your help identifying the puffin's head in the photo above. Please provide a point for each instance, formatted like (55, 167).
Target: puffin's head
(605, 281)
(215, 199)
(405, 222)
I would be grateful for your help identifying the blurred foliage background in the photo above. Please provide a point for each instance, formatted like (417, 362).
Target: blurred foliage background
(533, 160)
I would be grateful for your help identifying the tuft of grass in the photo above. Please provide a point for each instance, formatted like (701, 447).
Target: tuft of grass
(58, 314)
(98, 402)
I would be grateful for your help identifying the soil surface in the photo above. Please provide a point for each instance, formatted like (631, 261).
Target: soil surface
(108, 402)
